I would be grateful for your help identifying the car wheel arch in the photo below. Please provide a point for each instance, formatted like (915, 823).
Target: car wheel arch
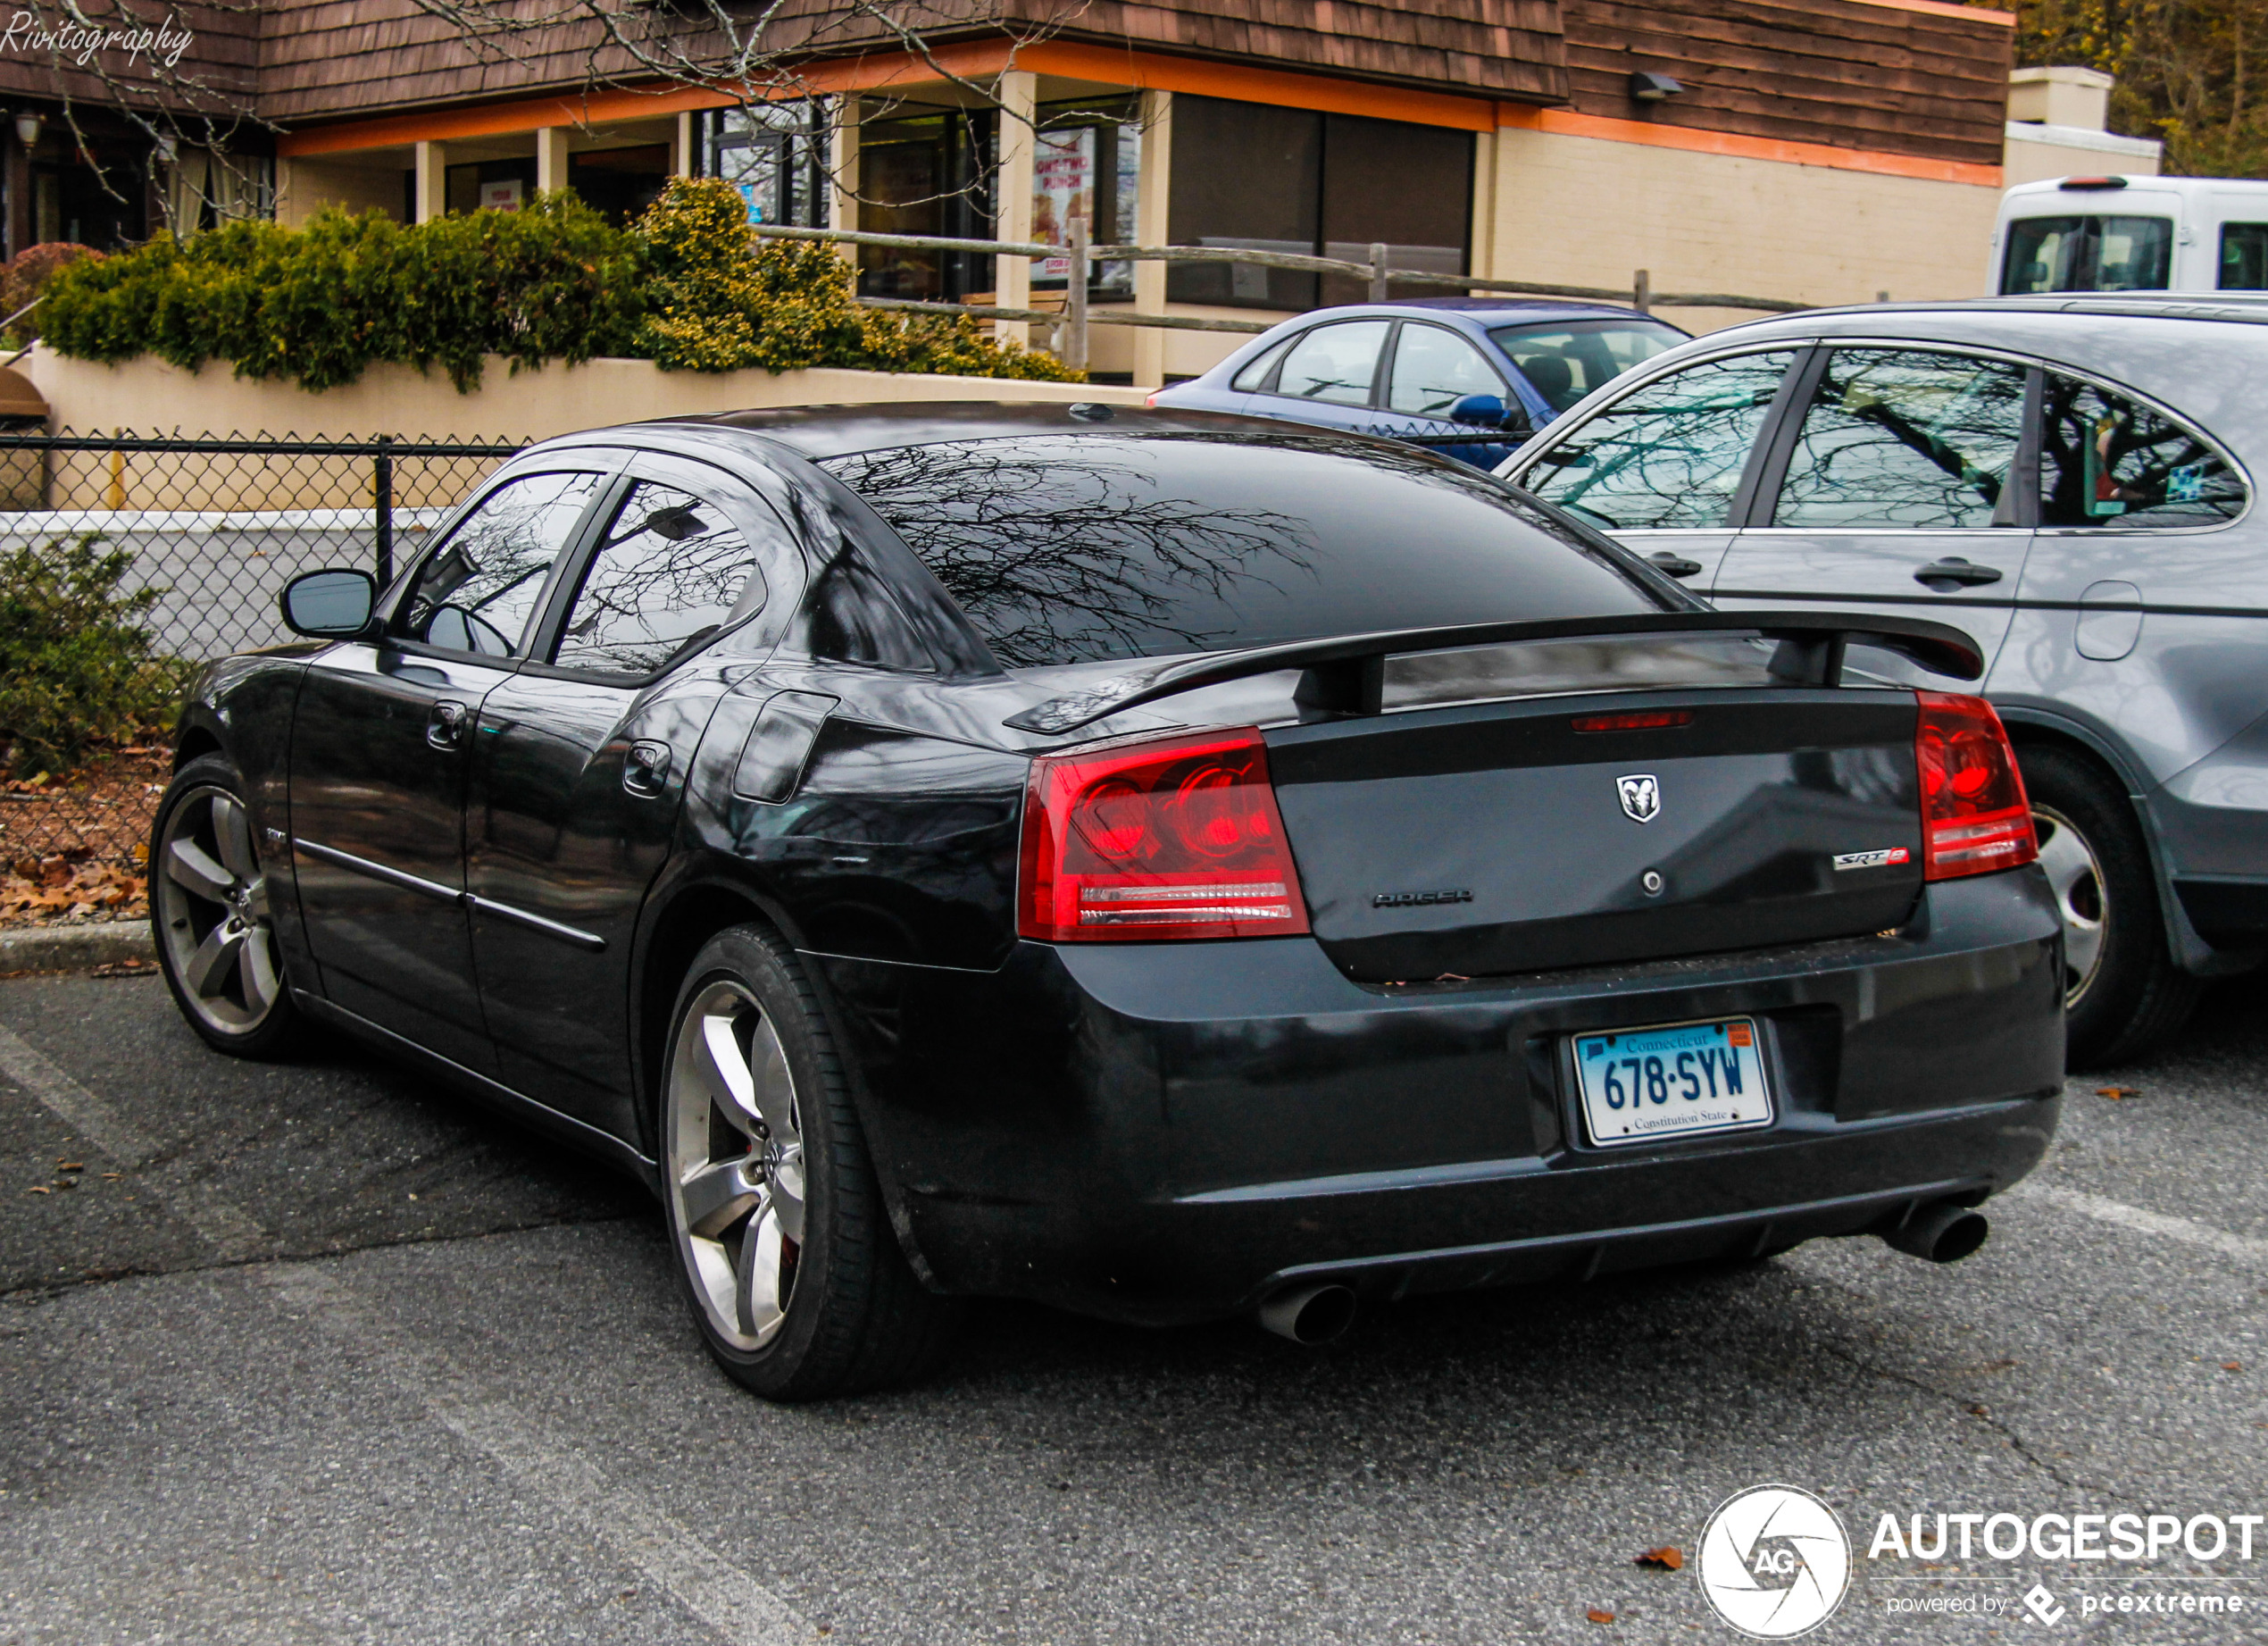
(2030, 728)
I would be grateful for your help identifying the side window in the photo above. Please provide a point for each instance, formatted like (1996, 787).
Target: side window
(1253, 375)
(1334, 364)
(670, 568)
(1906, 437)
(2244, 256)
(1434, 369)
(479, 590)
(2106, 461)
(1669, 453)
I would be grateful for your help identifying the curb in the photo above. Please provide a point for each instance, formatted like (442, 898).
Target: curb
(75, 948)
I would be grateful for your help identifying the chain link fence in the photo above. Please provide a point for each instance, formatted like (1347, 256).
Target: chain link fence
(216, 528)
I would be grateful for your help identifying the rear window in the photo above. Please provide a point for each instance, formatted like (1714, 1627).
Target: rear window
(1565, 361)
(2087, 253)
(1074, 548)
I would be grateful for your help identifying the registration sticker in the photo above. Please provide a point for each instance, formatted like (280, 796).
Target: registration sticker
(1642, 1084)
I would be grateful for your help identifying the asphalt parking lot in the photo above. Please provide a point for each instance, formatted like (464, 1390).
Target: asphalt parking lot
(321, 1352)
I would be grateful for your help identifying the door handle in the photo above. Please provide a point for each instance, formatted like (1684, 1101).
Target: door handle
(444, 725)
(1676, 565)
(646, 769)
(1955, 573)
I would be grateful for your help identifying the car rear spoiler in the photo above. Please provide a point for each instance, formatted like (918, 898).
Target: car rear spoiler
(1348, 673)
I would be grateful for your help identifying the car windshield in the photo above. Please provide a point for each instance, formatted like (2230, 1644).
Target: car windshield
(1072, 548)
(1563, 363)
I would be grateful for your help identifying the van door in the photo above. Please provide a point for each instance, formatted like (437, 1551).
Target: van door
(1892, 492)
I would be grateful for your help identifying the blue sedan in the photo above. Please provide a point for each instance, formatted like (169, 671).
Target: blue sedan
(1426, 367)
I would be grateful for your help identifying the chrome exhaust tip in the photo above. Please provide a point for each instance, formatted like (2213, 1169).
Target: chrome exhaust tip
(1310, 1315)
(1941, 1234)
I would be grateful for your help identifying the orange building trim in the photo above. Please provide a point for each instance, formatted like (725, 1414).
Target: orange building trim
(1285, 89)
(1565, 123)
(1940, 8)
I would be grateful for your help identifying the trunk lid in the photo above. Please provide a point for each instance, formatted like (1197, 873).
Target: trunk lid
(1484, 838)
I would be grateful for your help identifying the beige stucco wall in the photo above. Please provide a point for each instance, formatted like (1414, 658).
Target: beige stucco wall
(305, 187)
(1591, 211)
(2037, 152)
(149, 397)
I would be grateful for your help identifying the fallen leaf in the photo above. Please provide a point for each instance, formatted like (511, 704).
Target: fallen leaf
(40, 1189)
(1979, 1411)
(70, 1165)
(2232, 1365)
(1599, 1614)
(1665, 1558)
(2116, 1092)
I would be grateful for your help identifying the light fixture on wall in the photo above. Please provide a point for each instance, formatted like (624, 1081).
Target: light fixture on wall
(28, 130)
(1647, 88)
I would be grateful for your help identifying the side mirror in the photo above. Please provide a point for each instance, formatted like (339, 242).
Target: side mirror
(330, 605)
(1486, 410)
(1490, 412)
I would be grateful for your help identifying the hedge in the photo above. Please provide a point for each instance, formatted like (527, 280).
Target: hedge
(686, 286)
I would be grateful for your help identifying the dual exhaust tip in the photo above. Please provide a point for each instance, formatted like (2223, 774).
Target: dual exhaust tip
(1322, 1312)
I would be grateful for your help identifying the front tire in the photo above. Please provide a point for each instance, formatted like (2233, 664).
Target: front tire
(2123, 993)
(210, 915)
(785, 1251)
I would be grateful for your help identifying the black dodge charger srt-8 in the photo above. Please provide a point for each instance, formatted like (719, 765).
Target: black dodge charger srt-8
(1158, 863)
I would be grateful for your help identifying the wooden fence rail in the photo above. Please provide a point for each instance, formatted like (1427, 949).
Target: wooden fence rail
(1068, 326)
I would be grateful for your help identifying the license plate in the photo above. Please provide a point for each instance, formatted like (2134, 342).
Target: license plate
(1640, 1084)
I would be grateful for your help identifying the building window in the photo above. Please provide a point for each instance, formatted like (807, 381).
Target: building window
(776, 155)
(204, 187)
(1088, 164)
(620, 183)
(1268, 179)
(926, 173)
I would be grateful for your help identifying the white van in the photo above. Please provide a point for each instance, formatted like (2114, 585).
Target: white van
(2131, 234)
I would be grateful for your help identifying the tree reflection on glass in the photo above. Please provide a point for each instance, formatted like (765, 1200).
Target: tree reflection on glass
(1078, 549)
(477, 594)
(1670, 452)
(670, 568)
(1904, 438)
(2106, 461)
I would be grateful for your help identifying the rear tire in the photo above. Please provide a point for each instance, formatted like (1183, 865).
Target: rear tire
(785, 1250)
(2123, 993)
(209, 915)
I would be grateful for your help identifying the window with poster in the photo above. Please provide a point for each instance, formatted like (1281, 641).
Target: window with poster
(776, 155)
(1087, 165)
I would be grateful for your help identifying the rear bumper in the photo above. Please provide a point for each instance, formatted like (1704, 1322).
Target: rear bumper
(1167, 1133)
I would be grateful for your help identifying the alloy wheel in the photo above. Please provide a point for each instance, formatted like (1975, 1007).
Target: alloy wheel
(735, 1164)
(212, 903)
(2076, 874)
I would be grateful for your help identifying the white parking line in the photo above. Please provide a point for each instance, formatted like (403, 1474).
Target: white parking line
(738, 1608)
(2243, 1247)
(233, 1236)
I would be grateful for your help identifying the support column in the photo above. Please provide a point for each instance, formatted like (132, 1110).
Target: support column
(551, 159)
(1150, 220)
(1482, 262)
(1018, 91)
(681, 150)
(842, 176)
(432, 166)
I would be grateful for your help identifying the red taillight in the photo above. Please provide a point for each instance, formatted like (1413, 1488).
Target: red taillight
(1168, 838)
(1974, 817)
(1150, 399)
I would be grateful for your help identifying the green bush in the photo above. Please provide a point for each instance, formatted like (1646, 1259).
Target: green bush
(78, 668)
(686, 286)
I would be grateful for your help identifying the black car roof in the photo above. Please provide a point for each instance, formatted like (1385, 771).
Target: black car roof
(821, 431)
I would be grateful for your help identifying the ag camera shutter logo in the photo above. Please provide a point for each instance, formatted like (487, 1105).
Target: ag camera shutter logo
(1774, 1563)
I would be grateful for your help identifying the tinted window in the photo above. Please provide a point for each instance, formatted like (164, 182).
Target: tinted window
(2087, 253)
(2104, 460)
(1434, 369)
(479, 590)
(2244, 256)
(1669, 453)
(1566, 363)
(1253, 375)
(1334, 364)
(1904, 438)
(1066, 549)
(669, 567)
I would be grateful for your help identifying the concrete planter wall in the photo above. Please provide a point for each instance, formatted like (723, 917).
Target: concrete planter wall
(147, 397)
